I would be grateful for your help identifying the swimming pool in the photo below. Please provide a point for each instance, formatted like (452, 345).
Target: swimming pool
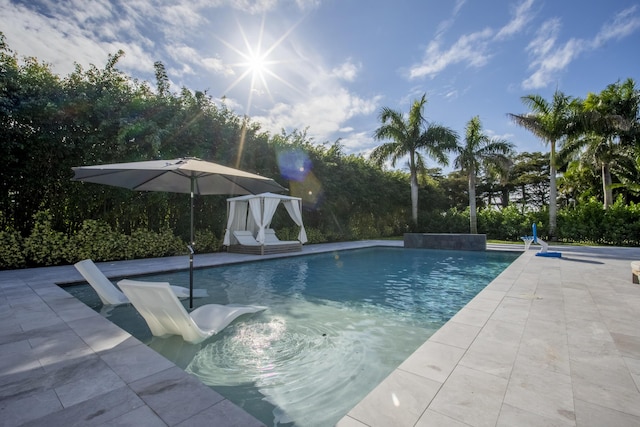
(337, 324)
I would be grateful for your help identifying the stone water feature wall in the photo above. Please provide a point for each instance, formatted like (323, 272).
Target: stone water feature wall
(462, 242)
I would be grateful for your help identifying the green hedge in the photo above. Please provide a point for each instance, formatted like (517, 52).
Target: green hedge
(587, 223)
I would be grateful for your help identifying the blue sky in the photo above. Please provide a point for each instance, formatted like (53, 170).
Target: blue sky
(330, 65)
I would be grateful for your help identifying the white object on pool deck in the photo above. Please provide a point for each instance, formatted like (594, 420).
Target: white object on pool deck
(248, 244)
(165, 314)
(110, 295)
(270, 238)
(245, 238)
(635, 272)
(544, 249)
(527, 241)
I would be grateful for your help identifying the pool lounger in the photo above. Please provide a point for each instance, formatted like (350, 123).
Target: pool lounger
(247, 244)
(165, 315)
(110, 295)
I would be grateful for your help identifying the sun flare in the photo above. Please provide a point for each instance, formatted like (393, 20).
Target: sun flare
(257, 63)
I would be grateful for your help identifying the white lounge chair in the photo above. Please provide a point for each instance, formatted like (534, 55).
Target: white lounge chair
(245, 238)
(247, 244)
(270, 238)
(110, 295)
(166, 315)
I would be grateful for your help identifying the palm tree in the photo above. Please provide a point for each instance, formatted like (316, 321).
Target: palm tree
(553, 122)
(480, 151)
(408, 137)
(609, 122)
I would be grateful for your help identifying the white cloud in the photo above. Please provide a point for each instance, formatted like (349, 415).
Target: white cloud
(469, 48)
(505, 136)
(217, 66)
(323, 113)
(472, 49)
(359, 143)
(550, 58)
(69, 36)
(624, 24)
(521, 18)
(346, 71)
(446, 24)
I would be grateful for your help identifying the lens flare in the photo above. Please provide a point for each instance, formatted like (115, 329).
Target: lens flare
(294, 165)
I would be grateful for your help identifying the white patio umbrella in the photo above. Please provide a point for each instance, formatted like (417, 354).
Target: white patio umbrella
(184, 175)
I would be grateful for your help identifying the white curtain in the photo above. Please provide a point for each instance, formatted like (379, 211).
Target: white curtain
(268, 206)
(256, 213)
(251, 222)
(230, 217)
(237, 220)
(293, 208)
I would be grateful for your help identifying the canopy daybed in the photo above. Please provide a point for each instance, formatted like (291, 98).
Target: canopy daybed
(249, 220)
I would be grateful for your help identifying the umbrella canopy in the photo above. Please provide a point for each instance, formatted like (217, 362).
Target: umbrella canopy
(177, 176)
(184, 175)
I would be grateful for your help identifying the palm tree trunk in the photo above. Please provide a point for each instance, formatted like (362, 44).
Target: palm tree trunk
(473, 219)
(553, 195)
(606, 185)
(414, 197)
(505, 198)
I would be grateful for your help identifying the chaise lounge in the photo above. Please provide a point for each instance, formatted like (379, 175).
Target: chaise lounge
(110, 295)
(165, 315)
(247, 243)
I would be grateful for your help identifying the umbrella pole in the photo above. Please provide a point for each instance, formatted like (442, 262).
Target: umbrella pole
(191, 243)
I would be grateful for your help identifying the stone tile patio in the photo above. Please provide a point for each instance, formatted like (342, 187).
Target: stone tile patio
(552, 342)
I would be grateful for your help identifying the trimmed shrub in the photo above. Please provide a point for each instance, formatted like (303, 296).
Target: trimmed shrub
(45, 246)
(363, 227)
(98, 241)
(11, 250)
(148, 244)
(207, 242)
(315, 235)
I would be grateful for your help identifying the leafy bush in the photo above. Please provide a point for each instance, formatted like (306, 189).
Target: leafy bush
(98, 241)
(207, 242)
(288, 233)
(315, 235)
(363, 227)
(507, 224)
(150, 244)
(582, 224)
(45, 246)
(11, 250)
(450, 221)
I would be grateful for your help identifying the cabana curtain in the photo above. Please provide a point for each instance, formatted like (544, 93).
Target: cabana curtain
(296, 215)
(254, 213)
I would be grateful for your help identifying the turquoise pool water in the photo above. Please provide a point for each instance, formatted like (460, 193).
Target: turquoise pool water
(337, 324)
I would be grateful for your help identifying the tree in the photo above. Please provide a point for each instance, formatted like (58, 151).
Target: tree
(578, 184)
(530, 179)
(553, 122)
(408, 137)
(608, 121)
(479, 151)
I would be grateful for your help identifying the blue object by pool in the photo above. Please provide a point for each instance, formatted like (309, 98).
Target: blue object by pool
(543, 251)
(336, 325)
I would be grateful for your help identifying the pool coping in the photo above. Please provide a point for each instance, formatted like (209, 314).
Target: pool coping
(62, 363)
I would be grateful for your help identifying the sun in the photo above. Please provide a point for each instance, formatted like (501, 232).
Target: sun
(257, 64)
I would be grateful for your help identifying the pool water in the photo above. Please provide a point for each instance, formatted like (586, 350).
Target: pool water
(336, 325)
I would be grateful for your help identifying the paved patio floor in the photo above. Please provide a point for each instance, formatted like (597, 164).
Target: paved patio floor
(550, 342)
